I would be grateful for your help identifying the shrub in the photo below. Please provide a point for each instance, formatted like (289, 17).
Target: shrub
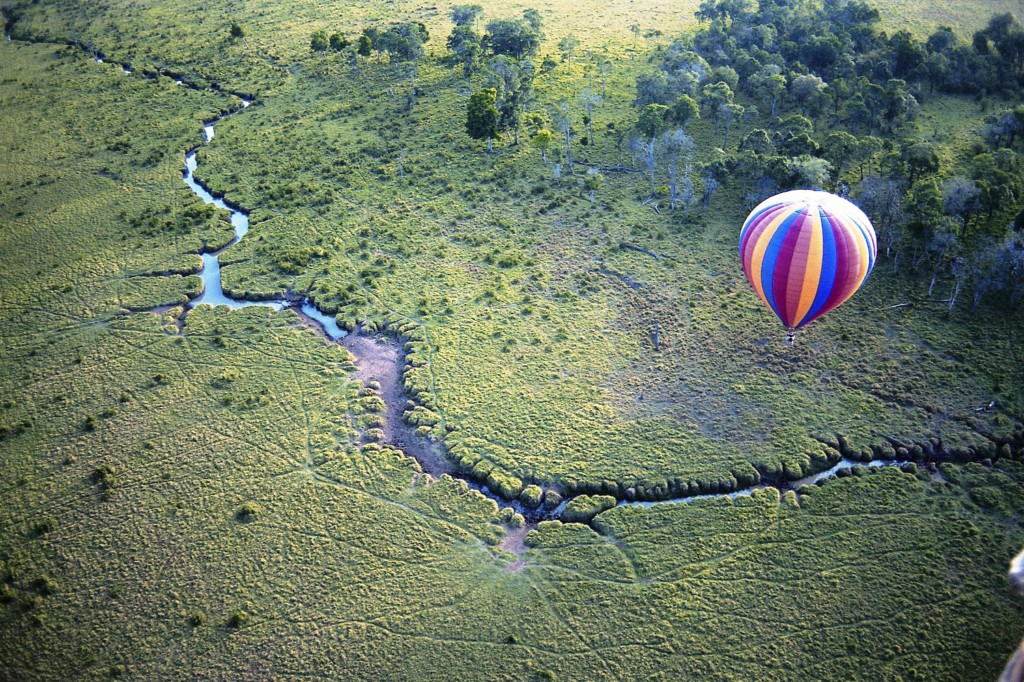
(532, 496)
(248, 512)
(585, 507)
(237, 619)
(44, 585)
(45, 526)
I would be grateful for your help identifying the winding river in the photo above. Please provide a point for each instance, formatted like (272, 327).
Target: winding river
(383, 365)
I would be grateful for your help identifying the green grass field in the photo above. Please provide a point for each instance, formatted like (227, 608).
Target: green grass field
(197, 499)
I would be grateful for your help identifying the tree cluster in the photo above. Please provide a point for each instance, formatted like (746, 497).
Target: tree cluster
(505, 53)
(828, 102)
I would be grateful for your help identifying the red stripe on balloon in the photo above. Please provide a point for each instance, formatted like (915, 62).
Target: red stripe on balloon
(846, 253)
(788, 266)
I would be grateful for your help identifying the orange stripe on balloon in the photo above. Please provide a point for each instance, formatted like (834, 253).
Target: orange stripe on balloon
(812, 266)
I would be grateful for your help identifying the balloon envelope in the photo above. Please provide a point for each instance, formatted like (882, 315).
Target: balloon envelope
(805, 252)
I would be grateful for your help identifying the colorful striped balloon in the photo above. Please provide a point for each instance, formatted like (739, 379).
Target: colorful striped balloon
(805, 253)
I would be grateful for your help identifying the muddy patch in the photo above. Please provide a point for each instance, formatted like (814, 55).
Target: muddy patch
(379, 359)
(515, 543)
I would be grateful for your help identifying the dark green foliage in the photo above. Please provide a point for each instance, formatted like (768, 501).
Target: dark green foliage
(465, 15)
(319, 42)
(338, 42)
(515, 38)
(404, 42)
(364, 45)
(482, 115)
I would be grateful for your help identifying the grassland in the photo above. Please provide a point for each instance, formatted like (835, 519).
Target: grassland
(195, 501)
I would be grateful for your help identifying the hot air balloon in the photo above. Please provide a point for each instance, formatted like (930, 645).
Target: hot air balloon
(806, 252)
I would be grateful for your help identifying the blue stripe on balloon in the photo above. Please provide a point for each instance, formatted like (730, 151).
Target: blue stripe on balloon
(828, 268)
(867, 245)
(771, 254)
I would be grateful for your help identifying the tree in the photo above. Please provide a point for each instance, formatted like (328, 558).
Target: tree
(604, 67)
(650, 124)
(808, 172)
(563, 117)
(682, 111)
(533, 18)
(543, 140)
(1008, 125)
(941, 41)
(881, 199)
(714, 98)
(729, 114)
(651, 88)
(512, 37)
(918, 159)
(839, 147)
(589, 100)
(237, 32)
(898, 105)
(769, 84)
(466, 15)
(403, 41)
(758, 141)
(960, 199)
(592, 183)
(466, 47)
(678, 144)
(809, 93)
(567, 46)
(867, 147)
(998, 178)
(514, 83)
(482, 116)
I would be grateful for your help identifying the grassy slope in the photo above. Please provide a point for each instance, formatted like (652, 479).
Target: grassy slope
(330, 587)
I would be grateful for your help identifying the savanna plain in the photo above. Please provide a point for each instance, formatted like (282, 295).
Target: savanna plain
(563, 439)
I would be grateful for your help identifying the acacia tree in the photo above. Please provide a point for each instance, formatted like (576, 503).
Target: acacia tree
(567, 46)
(714, 98)
(482, 116)
(338, 42)
(682, 111)
(839, 148)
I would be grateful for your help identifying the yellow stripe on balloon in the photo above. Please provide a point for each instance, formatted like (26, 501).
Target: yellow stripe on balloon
(759, 250)
(854, 230)
(812, 270)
